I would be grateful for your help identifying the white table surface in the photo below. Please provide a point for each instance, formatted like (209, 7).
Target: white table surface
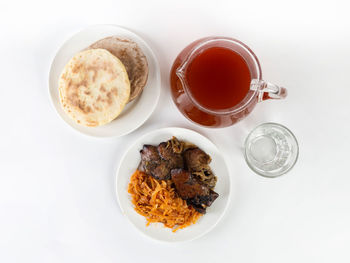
(57, 198)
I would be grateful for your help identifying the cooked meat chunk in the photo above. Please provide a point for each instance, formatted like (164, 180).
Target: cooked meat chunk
(167, 153)
(152, 163)
(164, 151)
(158, 161)
(192, 190)
(161, 171)
(197, 162)
(186, 185)
(196, 159)
(149, 158)
(149, 153)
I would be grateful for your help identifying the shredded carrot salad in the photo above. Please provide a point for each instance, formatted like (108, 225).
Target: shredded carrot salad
(158, 202)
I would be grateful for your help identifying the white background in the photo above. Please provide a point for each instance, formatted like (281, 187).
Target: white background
(57, 197)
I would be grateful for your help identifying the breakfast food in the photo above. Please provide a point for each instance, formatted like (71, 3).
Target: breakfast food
(158, 202)
(94, 87)
(173, 174)
(98, 82)
(133, 59)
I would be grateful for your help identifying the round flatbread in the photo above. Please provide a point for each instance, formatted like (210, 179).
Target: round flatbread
(133, 59)
(94, 87)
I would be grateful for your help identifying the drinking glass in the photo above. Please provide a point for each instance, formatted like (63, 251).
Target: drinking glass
(271, 150)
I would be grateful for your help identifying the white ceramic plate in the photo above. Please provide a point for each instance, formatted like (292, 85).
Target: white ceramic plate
(137, 111)
(129, 163)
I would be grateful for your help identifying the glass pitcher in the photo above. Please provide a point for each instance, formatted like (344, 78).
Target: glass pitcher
(259, 89)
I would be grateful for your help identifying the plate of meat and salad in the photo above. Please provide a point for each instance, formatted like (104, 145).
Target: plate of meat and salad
(173, 185)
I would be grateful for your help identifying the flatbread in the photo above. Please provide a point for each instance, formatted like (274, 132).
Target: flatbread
(133, 59)
(94, 87)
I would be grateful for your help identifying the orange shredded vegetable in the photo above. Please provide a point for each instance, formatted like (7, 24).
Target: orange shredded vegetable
(158, 202)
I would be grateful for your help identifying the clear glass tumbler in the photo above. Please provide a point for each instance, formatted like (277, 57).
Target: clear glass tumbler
(271, 150)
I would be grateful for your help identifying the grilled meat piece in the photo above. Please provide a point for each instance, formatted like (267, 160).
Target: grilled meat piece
(149, 153)
(161, 171)
(186, 185)
(197, 162)
(158, 161)
(152, 163)
(192, 190)
(167, 153)
(196, 159)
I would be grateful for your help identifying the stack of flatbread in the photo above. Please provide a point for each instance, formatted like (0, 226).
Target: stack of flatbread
(98, 82)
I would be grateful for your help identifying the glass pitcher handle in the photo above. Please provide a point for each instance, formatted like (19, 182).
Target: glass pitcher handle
(267, 90)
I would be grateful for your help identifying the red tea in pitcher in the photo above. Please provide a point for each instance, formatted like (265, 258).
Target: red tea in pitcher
(216, 82)
(218, 78)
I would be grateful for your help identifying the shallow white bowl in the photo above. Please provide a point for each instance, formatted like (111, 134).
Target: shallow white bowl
(137, 111)
(129, 163)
